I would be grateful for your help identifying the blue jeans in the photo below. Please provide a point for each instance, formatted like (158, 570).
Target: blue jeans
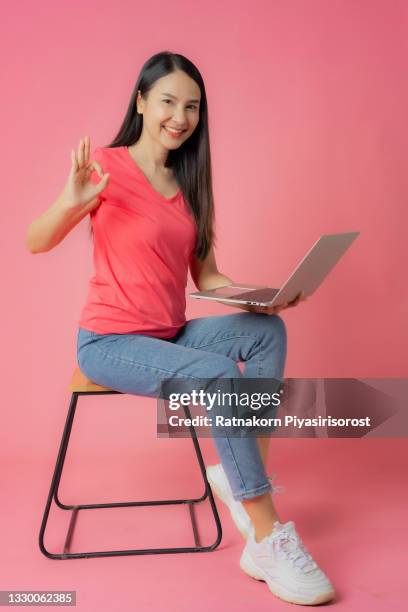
(206, 347)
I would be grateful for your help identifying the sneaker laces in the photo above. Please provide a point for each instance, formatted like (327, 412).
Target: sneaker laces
(289, 546)
(275, 488)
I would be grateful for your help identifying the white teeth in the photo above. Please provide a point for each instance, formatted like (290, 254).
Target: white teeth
(173, 130)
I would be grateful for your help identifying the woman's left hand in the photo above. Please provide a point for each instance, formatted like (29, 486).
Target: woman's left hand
(276, 309)
(270, 309)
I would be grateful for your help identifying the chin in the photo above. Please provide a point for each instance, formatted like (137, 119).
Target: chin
(169, 146)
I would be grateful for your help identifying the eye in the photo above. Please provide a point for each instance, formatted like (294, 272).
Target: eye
(191, 105)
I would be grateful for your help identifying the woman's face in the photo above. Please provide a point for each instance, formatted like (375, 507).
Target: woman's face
(173, 102)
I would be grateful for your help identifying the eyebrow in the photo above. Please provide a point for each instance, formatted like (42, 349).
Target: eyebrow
(171, 96)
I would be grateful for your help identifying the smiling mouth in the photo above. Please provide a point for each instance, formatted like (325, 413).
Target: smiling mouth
(173, 131)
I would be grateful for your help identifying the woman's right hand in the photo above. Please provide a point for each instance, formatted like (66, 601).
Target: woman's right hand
(79, 191)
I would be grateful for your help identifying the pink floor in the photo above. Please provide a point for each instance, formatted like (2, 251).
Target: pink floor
(347, 497)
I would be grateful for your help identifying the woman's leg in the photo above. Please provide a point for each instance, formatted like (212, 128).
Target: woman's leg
(139, 364)
(273, 551)
(134, 363)
(260, 342)
(263, 444)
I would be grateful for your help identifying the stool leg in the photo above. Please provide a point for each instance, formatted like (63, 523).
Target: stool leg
(53, 494)
(57, 473)
(207, 493)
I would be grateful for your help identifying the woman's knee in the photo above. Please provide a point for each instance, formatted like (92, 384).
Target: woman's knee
(269, 325)
(279, 327)
(273, 327)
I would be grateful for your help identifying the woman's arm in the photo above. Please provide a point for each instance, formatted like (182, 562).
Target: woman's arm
(79, 197)
(206, 276)
(51, 227)
(205, 273)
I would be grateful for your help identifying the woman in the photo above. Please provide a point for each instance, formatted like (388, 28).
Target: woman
(149, 196)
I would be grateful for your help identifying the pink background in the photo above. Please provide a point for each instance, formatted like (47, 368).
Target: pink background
(307, 105)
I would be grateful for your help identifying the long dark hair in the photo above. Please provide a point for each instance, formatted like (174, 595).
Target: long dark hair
(191, 163)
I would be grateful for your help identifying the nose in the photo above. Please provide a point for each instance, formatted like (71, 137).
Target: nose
(179, 118)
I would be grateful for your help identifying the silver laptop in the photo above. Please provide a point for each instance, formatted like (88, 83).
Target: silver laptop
(307, 276)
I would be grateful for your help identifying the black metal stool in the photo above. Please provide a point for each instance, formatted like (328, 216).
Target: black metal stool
(81, 385)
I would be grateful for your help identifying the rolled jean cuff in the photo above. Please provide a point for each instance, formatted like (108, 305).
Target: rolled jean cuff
(253, 492)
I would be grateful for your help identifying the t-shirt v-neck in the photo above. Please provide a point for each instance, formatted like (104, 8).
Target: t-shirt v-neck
(143, 244)
(136, 167)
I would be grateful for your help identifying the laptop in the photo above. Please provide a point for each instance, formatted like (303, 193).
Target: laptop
(307, 276)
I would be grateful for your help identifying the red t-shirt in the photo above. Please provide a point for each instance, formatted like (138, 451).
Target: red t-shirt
(143, 243)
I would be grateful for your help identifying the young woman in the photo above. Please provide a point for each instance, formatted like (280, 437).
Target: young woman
(149, 196)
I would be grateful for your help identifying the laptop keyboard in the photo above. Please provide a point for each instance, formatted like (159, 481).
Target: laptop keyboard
(259, 295)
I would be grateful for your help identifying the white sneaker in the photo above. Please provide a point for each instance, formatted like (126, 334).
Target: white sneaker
(221, 487)
(282, 561)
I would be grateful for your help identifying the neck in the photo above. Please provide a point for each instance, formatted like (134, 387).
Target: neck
(152, 155)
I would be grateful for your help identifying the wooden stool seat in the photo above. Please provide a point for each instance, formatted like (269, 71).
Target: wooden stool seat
(80, 382)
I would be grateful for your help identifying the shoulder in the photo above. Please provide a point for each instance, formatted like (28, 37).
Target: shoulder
(101, 152)
(106, 154)
(97, 154)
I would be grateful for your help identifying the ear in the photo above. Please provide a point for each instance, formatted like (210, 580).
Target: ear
(139, 102)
